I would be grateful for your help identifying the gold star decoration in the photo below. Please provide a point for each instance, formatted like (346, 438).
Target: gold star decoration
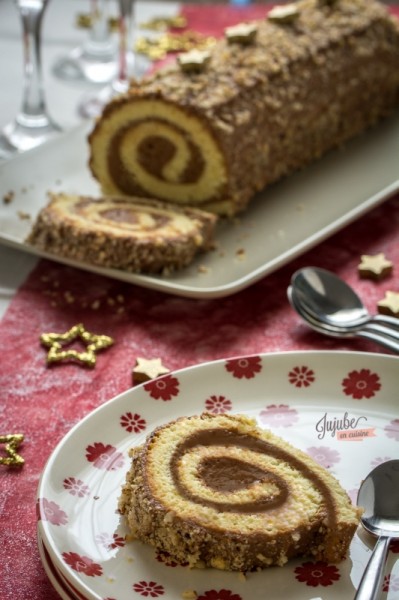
(284, 13)
(194, 61)
(147, 369)
(12, 441)
(374, 266)
(156, 48)
(389, 305)
(243, 33)
(58, 341)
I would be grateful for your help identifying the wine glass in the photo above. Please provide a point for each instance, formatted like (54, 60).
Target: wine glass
(32, 125)
(92, 104)
(95, 60)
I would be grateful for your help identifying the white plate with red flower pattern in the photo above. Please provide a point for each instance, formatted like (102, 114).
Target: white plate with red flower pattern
(340, 407)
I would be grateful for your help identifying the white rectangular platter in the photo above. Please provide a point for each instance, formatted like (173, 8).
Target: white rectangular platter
(281, 223)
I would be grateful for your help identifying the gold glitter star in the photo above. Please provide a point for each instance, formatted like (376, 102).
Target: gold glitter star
(390, 304)
(57, 342)
(147, 369)
(374, 266)
(12, 441)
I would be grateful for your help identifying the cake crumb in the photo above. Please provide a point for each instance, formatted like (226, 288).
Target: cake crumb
(240, 254)
(241, 576)
(189, 595)
(95, 305)
(24, 216)
(203, 269)
(8, 197)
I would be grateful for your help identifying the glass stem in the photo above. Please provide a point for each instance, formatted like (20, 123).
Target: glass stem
(125, 29)
(99, 25)
(33, 102)
(100, 38)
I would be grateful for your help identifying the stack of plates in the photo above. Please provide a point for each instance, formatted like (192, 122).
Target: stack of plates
(340, 407)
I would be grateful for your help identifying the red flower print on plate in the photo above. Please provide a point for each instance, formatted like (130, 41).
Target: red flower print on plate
(104, 456)
(246, 367)
(110, 541)
(133, 422)
(318, 573)
(51, 512)
(219, 595)
(326, 457)
(392, 429)
(76, 487)
(149, 589)
(82, 564)
(301, 376)
(280, 415)
(391, 583)
(164, 388)
(218, 405)
(361, 384)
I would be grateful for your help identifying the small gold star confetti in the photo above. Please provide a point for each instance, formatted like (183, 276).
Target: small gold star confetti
(243, 33)
(57, 342)
(147, 369)
(374, 266)
(162, 23)
(12, 441)
(389, 305)
(168, 43)
(194, 61)
(286, 13)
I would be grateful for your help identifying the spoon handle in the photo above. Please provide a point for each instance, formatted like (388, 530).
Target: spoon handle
(370, 584)
(392, 322)
(390, 342)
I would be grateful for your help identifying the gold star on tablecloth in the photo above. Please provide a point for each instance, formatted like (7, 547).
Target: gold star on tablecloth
(390, 304)
(147, 369)
(12, 441)
(374, 266)
(57, 342)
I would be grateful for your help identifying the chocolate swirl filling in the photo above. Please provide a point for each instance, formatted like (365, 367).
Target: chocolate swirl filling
(154, 153)
(229, 474)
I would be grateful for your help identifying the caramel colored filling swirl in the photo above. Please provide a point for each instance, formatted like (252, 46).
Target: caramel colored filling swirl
(227, 475)
(155, 149)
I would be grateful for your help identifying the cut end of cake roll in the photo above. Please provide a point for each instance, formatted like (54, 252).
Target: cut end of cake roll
(218, 491)
(257, 109)
(136, 235)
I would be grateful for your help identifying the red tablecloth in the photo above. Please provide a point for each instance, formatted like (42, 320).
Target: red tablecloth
(44, 403)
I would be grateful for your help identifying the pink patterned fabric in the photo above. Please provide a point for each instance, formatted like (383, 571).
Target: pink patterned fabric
(45, 402)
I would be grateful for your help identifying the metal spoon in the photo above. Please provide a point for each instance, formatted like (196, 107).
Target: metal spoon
(376, 333)
(331, 307)
(331, 300)
(379, 496)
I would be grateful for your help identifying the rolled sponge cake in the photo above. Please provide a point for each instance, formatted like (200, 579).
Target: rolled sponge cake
(138, 235)
(253, 112)
(218, 491)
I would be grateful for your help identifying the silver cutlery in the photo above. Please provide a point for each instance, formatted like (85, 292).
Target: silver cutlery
(332, 307)
(379, 496)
